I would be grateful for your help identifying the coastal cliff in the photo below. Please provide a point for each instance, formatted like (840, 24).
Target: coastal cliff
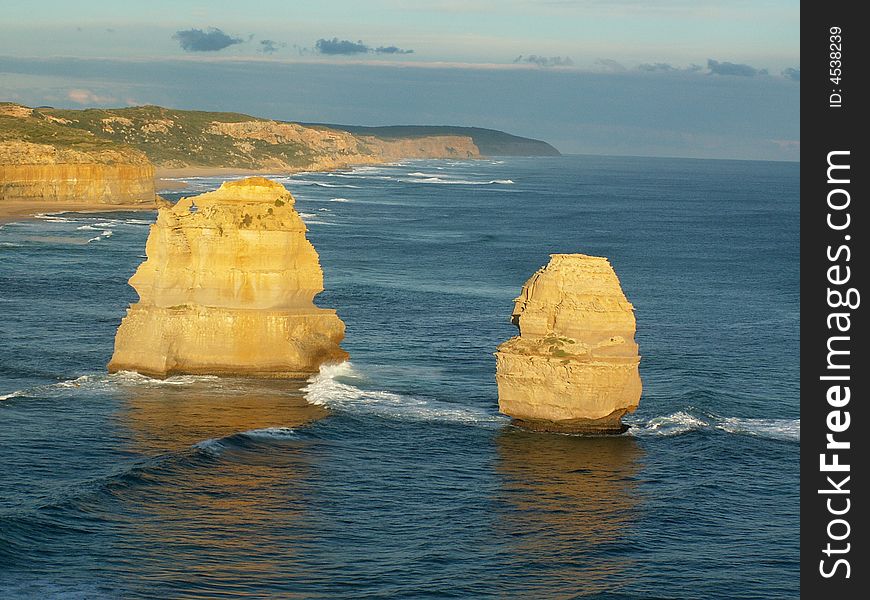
(183, 139)
(286, 146)
(574, 366)
(228, 289)
(41, 172)
(44, 163)
(490, 142)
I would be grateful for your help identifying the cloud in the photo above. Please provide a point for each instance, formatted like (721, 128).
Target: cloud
(652, 67)
(727, 68)
(793, 74)
(87, 97)
(270, 46)
(610, 65)
(197, 40)
(392, 50)
(667, 68)
(336, 46)
(544, 61)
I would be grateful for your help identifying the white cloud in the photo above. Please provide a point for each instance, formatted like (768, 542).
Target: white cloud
(82, 96)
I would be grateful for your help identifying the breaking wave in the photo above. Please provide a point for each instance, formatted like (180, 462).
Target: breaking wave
(105, 234)
(245, 439)
(105, 381)
(423, 178)
(332, 388)
(682, 422)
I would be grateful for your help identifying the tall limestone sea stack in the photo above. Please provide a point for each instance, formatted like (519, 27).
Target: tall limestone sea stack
(228, 289)
(574, 366)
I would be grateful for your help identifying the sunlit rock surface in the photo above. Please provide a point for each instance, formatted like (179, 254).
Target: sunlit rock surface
(574, 366)
(228, 289)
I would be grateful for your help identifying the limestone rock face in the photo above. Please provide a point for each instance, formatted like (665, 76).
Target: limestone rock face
(43, 172)
(332, 149)
(574, 366)
(228, 289)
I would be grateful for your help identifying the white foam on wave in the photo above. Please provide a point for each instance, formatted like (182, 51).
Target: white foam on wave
(335, 185)
(322, 184)
(212, 446)
(105, 381)
(215, 446)
(329, 388)
(779, 429)
(270, 433)
(15, 394)
(674, 424)
(682, 422)
(340, 200)
(103, 226)
(52, 217)
(128, 378)
(443, 181)
(104, 235)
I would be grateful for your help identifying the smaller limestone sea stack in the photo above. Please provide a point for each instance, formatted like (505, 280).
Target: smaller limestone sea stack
(228, 289)
(574, 366)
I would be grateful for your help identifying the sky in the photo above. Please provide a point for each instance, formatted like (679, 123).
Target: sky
(693, 78)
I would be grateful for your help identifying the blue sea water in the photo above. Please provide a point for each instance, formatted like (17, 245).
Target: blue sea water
(394, 476)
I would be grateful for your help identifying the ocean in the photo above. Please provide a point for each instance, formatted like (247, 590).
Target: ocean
(394, 475)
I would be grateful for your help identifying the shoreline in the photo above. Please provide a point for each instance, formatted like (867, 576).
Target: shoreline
(25, 210)
(165, 180)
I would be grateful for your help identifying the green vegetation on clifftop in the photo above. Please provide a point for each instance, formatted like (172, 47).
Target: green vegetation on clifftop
(184, 138)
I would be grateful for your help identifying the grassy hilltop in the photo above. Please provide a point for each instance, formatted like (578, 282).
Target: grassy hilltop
(184, 138)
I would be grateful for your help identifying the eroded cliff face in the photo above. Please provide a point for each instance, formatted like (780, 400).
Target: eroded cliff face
(228, 289)
(42, 172)
(322, 149)
(574, 366)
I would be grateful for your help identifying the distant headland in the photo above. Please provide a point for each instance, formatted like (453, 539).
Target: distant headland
(60, 159)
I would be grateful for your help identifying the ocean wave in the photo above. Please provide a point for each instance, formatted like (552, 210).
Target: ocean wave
(441, 180)
(683, 421)
(15, 394)
(322, 184)
(95, 382)
(105, 234)
(778, 429)
(340, 200)
(673, 424)
(335, 185)
(331, 388)
(52, 217)
(133, 378)
(244, 439)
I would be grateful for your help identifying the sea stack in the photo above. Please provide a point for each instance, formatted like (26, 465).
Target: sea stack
(574, 366)
(227, 289)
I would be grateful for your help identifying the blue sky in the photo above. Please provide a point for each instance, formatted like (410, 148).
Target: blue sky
(656, 77)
